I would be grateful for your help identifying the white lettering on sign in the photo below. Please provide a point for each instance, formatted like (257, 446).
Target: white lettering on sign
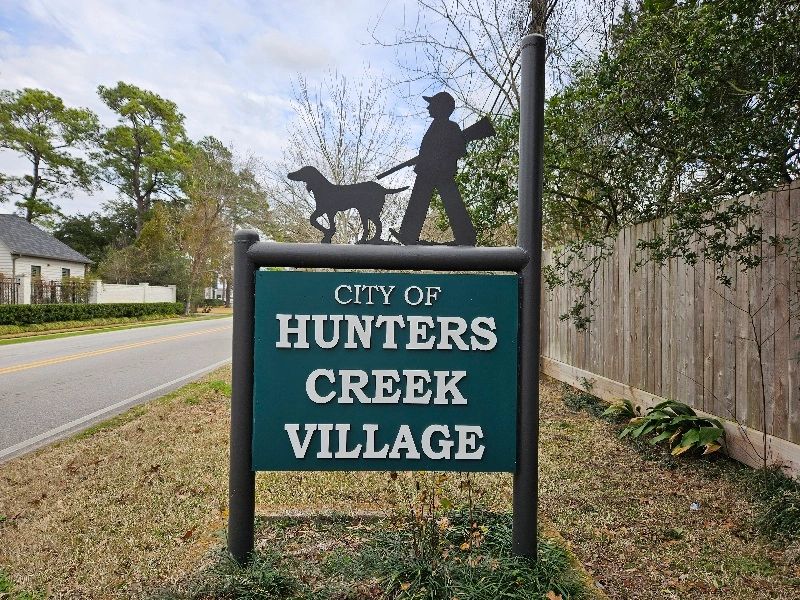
(385, 386)
(363, 294)
(418, 332)
(418, 387)
(298, 330)
(434, 441)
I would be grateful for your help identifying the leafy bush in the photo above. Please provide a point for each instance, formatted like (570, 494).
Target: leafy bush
(213, 302)
(263, 578)
(25, 314)
(679, 425)
(583, 400)
(620, 410)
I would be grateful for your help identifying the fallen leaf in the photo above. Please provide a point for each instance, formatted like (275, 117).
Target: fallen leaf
(551, 595)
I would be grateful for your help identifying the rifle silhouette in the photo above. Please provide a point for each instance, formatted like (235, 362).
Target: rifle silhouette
(477, 131)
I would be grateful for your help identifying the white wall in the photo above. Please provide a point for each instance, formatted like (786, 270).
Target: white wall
(6, 263)
(111, 293)
(51, 269)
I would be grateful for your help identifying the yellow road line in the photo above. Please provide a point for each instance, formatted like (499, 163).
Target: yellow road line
(69, 357)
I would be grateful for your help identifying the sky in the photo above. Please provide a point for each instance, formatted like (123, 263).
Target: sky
(229, 65)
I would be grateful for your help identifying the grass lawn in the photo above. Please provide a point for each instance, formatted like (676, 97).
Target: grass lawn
(137, 507)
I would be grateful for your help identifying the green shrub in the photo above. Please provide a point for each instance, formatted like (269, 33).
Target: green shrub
(677, 424)
(213, 302)
(620, 410)
(472, 558)
(583, 400)
(778, 500)
(263, 578)
(26, 314)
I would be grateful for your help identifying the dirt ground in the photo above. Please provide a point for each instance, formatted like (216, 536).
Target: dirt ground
(140, 501)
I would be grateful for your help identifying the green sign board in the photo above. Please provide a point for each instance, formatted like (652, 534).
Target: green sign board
(394, 371)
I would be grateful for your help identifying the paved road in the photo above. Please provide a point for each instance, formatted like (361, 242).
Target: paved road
(52, 388)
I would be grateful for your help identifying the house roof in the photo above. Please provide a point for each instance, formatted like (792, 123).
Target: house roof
(26, 239)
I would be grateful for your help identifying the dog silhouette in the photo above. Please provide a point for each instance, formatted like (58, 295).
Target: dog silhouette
(367, 198)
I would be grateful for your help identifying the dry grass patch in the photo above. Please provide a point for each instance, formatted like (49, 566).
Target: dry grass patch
(627, 514)
(138, 498)
(142, 497)
(138, 502)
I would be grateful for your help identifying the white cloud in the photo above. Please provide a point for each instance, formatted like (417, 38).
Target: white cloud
(228, 65)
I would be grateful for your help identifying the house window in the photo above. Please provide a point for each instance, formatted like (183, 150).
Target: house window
(64, 273)
(36, 271)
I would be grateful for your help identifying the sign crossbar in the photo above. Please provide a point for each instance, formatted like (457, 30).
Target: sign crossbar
(390, 258)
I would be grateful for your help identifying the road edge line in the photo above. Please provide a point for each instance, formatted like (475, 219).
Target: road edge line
(47, 436)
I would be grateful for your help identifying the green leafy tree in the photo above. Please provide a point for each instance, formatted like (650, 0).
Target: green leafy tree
(35, 125)
(95, 234)
(488, 183)
(221, 195)
(690, 105)
(144, 154)
(710, 93)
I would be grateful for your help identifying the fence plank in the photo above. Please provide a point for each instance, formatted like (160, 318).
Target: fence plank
(743, 344)
(794, 317)
(780, 374)
(699, 335)
(708, 337)
(769, 289)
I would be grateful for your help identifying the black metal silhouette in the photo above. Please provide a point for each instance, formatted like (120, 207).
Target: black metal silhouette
(367, 198)
(436, 166)
(477, 131)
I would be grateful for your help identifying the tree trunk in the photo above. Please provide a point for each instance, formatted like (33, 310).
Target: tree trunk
(34, 191)
(538, 16)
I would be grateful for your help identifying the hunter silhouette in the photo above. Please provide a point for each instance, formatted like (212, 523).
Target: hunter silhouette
(436, 165)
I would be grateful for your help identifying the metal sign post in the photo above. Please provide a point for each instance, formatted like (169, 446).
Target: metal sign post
(524, 260)
(529, 238)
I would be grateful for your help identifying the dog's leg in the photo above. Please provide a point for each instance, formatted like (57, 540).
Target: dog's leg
(329, 233)
(314, 220)
(364, 227)
(378, 229)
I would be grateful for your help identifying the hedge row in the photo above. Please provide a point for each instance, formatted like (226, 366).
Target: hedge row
(25, 314)
(215, 302)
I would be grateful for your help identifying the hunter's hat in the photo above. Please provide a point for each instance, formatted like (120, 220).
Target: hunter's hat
(442, 99)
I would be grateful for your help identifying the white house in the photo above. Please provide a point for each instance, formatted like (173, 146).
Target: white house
(26, 250)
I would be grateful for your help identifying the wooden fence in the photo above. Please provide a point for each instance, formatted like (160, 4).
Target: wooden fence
(674, 331)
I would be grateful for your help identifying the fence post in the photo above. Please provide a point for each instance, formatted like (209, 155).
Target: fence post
(94, 291)
(24, 289)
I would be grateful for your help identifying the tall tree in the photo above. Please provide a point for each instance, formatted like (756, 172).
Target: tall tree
(35, 125)
(221, 196)
(143, 155)
(672, 119)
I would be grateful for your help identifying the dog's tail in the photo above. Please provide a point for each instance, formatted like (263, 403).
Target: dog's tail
(395, 190)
